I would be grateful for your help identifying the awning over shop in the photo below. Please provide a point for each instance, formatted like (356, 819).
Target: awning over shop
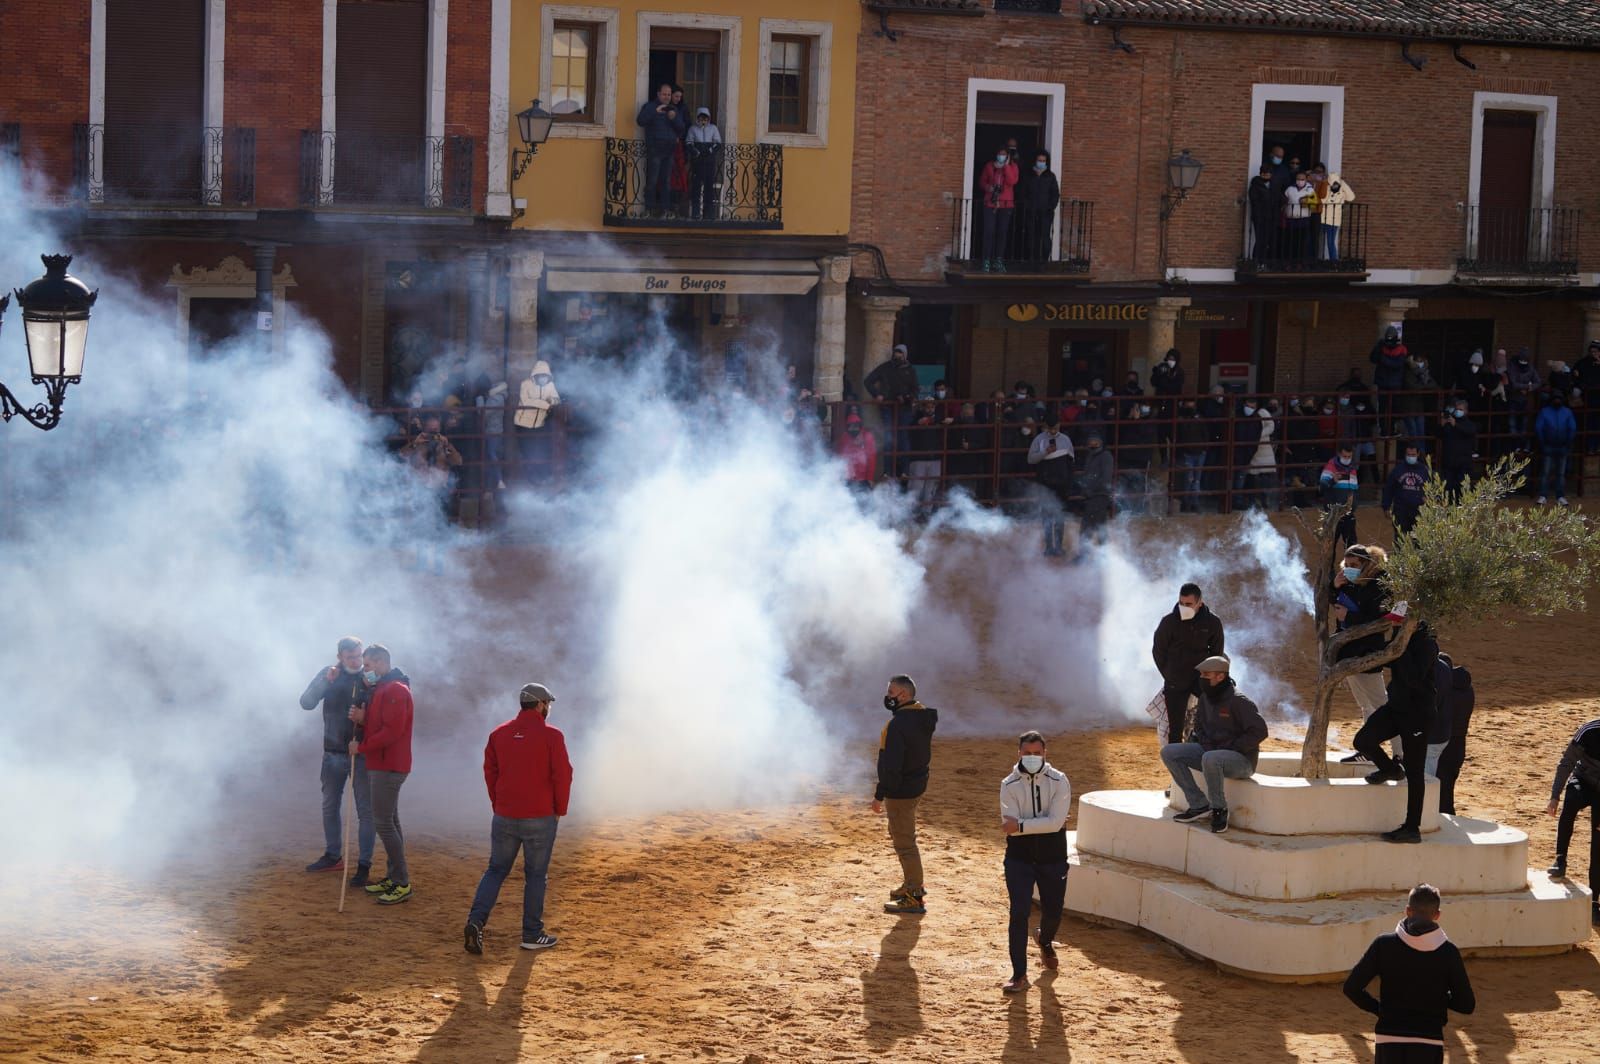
(681, 276)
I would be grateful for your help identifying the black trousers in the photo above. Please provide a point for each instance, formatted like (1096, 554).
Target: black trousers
(1405, 518)
(1575, 800)
(1021, 877)
(1177, 711)
(1408, 1053)
(1450, 761)
(1383, 725)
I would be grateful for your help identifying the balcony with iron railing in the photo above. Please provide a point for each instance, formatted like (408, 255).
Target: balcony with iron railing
(1032, 7)
(1327, 246)
(1029, 241)
(1533, 244)
(164, 165)
(379, 171)
(723, 186)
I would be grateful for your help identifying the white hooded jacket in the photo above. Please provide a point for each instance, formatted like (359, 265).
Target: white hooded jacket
(1038, 802)
(536, 399)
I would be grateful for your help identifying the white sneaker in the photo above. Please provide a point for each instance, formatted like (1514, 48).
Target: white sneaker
(1542, 500)
(1561, 500)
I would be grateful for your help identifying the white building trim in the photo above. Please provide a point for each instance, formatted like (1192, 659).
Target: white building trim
(1055, 94)
(330, 101)
(1544, 146)
(438, 69)
(497, 194)
(731, 28)
(215, 70)
(821, 75)
(606, 113)
(1331, 97)
(97, 95)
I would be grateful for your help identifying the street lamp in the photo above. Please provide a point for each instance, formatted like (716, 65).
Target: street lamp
(1183, 173)
(55, 325)
(534, 126)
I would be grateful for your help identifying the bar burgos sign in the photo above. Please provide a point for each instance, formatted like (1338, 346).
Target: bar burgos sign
(1108, 314)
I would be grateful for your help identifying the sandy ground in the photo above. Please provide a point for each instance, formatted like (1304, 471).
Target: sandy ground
(756, 936)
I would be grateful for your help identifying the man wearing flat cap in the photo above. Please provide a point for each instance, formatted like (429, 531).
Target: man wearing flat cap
(1225, 743)
(530, 778)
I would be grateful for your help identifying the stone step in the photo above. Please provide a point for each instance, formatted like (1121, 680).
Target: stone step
(1318, 940)
(1288, 805)
(1463, 856)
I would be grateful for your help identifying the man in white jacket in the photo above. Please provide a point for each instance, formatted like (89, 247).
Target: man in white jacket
(536, 398)
(1034, 800)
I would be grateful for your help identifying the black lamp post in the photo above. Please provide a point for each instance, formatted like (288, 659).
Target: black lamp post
(1183, 173)
(55, 324)
(533, 125)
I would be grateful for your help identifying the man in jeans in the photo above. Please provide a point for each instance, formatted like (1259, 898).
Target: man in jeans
(338, 688)
(904, 751)
(385, 726)
(663, 127)
(1228, 732)
(529, 777)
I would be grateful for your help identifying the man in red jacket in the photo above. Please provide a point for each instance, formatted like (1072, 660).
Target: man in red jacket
(529, 777)
(385, 739)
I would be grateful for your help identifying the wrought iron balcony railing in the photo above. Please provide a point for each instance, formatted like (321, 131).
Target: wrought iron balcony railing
(1023, 239)
(10, 142)
(1512, 242)
(164, 164)
(720, 186)
(367, 170)
(1329, 243)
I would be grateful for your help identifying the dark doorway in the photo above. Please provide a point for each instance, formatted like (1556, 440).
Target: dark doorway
(1505, 189)
(1296, 128)
(688, 59)
(215, 321)
(1447, 345)
(154, 100)
(1003, 117)
(418, 330)
(928, 330)
(380, 152)
(1081, 356)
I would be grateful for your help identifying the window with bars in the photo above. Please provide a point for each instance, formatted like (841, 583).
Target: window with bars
(789, 85)
(572, 71)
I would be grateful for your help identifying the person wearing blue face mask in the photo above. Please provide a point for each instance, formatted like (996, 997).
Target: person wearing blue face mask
(1040, 197)
(997, 192)
(1357, 597)
(1034, 799)
(1404, 491)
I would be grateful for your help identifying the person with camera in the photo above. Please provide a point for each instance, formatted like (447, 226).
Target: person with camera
(1051, 451)
(337, 688)
(431, 450)
(1334, 198)
(997, 185)
(663, 127)
(384, 736)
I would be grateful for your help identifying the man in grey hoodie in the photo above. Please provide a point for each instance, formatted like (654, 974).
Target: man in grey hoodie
(337, 688)
(1423, 981)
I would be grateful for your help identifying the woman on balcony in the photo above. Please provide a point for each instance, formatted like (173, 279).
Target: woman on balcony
(998, 184)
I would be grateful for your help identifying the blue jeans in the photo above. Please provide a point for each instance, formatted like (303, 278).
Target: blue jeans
(1021, 876)
(536, 838)
(1553, 473)
(335, 770)
(1217, 766)
(1330, 235)
(1193, 462)
(658, 174)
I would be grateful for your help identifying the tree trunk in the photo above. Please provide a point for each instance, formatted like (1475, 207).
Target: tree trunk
(1314, 752)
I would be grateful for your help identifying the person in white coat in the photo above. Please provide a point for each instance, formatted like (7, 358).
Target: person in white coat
(1034, 799)
(1339, 194)
(536, 398)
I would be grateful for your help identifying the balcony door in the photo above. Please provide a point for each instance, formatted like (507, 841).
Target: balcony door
(1004, 117)
(1505, 226)
(1296, 127)
(155, 101)
(689, 59)
(381, 154)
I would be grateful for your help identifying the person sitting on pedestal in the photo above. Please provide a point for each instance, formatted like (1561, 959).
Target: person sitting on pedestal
(1226, 743)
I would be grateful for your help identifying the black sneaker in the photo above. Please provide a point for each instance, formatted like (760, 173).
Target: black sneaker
(1403, 834)
(1190, 816)
(1355, 759)
(361, 878)
(1594, 912)
(1219, 821)
(474, 938)
(1392, 775)
(1557, 870)
(326, 863)
(542, 942)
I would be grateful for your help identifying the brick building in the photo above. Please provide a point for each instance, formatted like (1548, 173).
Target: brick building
(1463, 129)
(256, 165)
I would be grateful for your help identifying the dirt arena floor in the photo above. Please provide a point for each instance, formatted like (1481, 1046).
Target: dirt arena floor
(754, 936)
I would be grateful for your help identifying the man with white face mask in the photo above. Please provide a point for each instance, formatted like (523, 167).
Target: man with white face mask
(1188, 635)
(338, 688)
(1034, 799)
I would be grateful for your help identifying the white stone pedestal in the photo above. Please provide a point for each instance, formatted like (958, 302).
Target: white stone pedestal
(1301, 882)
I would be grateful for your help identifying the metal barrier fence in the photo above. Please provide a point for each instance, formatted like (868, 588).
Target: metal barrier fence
(1214, 460)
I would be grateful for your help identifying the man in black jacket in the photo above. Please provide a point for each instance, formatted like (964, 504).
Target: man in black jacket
(1456, 703)
(1408, 714)
(1458, 440)
(1578, 783)
(1188, 635)
(905, 750)
(337, 688)
(1265, 198)
(1228, 733)
(1423, 981)
(663, 127)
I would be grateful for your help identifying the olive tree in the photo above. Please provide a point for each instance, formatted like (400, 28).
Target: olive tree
(1467, 558)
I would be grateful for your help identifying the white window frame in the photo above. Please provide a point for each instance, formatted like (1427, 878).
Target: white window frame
(1055, 94)
(211, 105)
(1544, 150)
(821, 75)
(1331, 97)
(731, 27)
(606, 115)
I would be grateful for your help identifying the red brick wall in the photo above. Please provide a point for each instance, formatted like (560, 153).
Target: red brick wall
(44, 79)
(273, 84)
(1406, 133)
(466, 108)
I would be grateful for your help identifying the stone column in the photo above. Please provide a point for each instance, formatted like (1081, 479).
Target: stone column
(266, 256)
(475, 273)
(1591, 327)
(827, 361)
(527, 267)
(880, 312)
(1163, 332)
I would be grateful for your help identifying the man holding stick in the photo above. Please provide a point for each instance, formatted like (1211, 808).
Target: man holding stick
(338, 688)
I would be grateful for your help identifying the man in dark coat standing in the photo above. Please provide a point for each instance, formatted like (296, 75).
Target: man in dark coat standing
(1188, 635)
(905, 750)
(1423, 981)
